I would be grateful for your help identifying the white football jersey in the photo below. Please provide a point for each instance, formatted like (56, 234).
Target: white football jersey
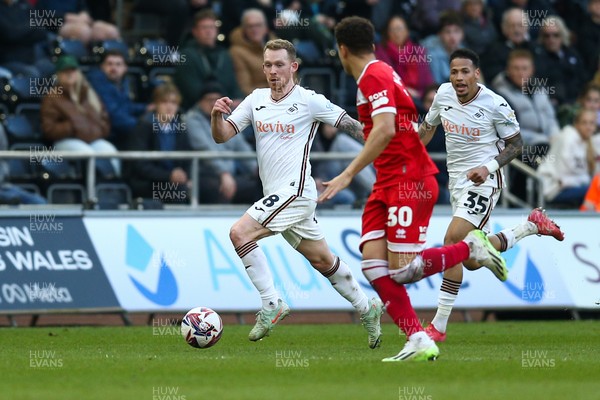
(284, 131)
(475, 131)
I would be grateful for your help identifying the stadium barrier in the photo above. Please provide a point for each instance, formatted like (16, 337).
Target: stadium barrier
(534, 183)
(163, 261)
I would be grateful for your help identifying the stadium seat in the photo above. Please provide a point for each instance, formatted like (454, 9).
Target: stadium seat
(321, 80)
(23, 89)
(22, 169)
(149, 52)
(346, 93)
(5, 74)
(30, 187)
(146, 24)
(20, 85)
(31, 111)
(71, 47)
(161, 74)
(61, 169)
(66, 193)
(308, 52)
(19, 129)
(139, 83)
(111, 45)
(111, 194)
(3, 111)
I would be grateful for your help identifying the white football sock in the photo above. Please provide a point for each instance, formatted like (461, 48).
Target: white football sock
(344, 283)
(446, 298)
(510, 237)
(258, 270)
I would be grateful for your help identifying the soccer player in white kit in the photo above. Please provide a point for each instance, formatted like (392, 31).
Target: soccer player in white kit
(482, 135)
(285, 118)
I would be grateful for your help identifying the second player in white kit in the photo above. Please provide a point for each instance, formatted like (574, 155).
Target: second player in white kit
(482, 135)
(475, 134)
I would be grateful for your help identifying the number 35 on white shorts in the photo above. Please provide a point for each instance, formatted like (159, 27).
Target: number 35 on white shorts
(475, 204)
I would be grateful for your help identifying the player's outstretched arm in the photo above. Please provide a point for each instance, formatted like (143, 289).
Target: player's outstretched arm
(384, 129)
(221, 131)
(426, 132)
(352, 127)
(513, 147)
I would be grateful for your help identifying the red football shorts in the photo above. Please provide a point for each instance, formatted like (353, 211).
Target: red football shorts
(401, 214)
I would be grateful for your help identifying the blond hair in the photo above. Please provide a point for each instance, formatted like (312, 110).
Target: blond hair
(282, 44)
(162, 93)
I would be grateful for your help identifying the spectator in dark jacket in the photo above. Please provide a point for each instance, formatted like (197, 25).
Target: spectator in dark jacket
(533, 12)
(162, 130)
(558, 62)
(588, 38)
(428, 13)
(515, 35)
(112, 86)
(22, 40)
(205, 60)
(479, 29)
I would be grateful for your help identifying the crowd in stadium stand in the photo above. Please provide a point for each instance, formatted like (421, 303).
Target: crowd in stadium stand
(87, 76)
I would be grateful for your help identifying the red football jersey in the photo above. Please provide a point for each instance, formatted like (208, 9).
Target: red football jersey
(381, 90)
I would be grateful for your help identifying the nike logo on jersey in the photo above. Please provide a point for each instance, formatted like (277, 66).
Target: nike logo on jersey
(447, 108)
(260, 108)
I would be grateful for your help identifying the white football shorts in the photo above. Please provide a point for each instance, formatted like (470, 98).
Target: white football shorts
(286, 213)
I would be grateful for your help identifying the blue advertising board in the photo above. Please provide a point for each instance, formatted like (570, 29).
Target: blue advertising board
(49, 263)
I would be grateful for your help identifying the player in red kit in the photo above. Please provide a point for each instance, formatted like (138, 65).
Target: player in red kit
(396, 215)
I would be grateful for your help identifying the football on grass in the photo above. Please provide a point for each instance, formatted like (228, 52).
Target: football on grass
(201, 327)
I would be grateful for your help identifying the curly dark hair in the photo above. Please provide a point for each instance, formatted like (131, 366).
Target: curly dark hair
(356, 34)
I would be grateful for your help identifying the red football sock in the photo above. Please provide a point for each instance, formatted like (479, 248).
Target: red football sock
(397, 304)
(437, 259)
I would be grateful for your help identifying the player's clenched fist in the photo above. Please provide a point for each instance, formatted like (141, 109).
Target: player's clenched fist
(222, 106)
(478, 175)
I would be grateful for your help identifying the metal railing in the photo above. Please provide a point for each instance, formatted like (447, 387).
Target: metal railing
(534, 198)
(196, 156)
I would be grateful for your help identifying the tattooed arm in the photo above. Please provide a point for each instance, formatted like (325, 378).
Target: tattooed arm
(513, 147)
(426, 132)
(352, 127)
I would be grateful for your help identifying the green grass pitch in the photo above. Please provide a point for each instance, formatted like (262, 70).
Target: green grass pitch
(483, 361)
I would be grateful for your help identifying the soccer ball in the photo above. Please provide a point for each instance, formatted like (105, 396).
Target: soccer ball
(201, 327)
